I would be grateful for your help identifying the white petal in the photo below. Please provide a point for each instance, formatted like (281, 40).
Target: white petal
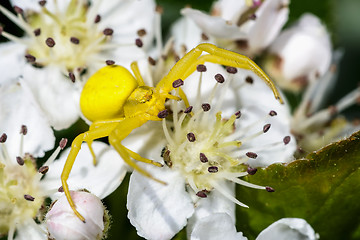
(12, 60)
(186, 33)
(309, 41)
(101, 180)
(158, 211)
(31, 231)
(56, 94)
(288, 228)
(127, 17)
(213, 204)
(230, 10)
(17, 108)
(218, 226)
(270, 18)
(213, 25)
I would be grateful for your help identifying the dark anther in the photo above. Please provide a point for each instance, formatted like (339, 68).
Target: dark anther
(151, 61)
(177, 83)
(61, 189)
(50, 42)
(162, 152)
(231, 70)
(167, 159)
(219, 78)
(29, 197)
(63, 143)
(238, 114)
(201, 68)
(249, 80)
(251, 155)
(3, 138)
(138, 42)
(213, 169)
(269, 189)
(204, 37)
(97, 18)
(251, 171)
(203, 158)
(18, 10)
(141, 32)
(332, 109)
(159, 9)
(23, 130)
(108, 31)
(74, 40)
(188, 109)
(1, 30)
(37, 32)
(163, 113)
(266, 127)
(20, 160)
(286, 140)
(242, 44)
(109, 62)
(43, 169)
(191, 137)
(72, 76)
(206, 107)
(272, 113)
(30, 58)
(42, 3)
(201, 194)
(252, 17)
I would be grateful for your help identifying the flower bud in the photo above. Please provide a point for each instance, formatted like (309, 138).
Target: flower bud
(62, 223)
(301, 54)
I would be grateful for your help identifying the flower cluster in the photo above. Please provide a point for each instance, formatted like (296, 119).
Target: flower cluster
(189, 128)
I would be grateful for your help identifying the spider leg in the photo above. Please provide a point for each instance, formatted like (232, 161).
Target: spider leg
(90, 135)
(187, 65)
(122, 131)
(98, 124)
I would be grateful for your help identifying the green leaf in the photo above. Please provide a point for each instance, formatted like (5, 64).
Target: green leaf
(323, 189)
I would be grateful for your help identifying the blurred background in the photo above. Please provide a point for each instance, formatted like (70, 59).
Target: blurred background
(342, 19)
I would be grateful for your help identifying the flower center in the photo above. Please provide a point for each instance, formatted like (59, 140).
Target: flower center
(20, 198)
(69, 37)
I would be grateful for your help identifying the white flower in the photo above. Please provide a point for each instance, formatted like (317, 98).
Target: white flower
(316, 124)
(288, 228)
(62, 223)
(240, 27)
(224, 135)
(66, 41)
(301, 54)
(24, 134)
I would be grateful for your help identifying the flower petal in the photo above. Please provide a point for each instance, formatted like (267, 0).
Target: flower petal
(158, 211)
(12, 60)
(216, 227)
(213, 25)
(213, 204)
(31, 231)
(57, 95)
(18, 107)
(101, 180)
(288, 228)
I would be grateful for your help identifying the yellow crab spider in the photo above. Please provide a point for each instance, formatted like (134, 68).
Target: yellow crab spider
(117, 102)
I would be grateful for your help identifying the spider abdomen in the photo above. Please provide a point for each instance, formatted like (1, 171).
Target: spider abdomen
(105, 93)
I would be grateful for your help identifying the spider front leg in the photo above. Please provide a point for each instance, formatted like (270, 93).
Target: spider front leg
(88, 136)
(187, 65)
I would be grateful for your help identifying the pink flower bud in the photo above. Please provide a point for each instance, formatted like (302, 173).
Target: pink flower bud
(62, 223)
